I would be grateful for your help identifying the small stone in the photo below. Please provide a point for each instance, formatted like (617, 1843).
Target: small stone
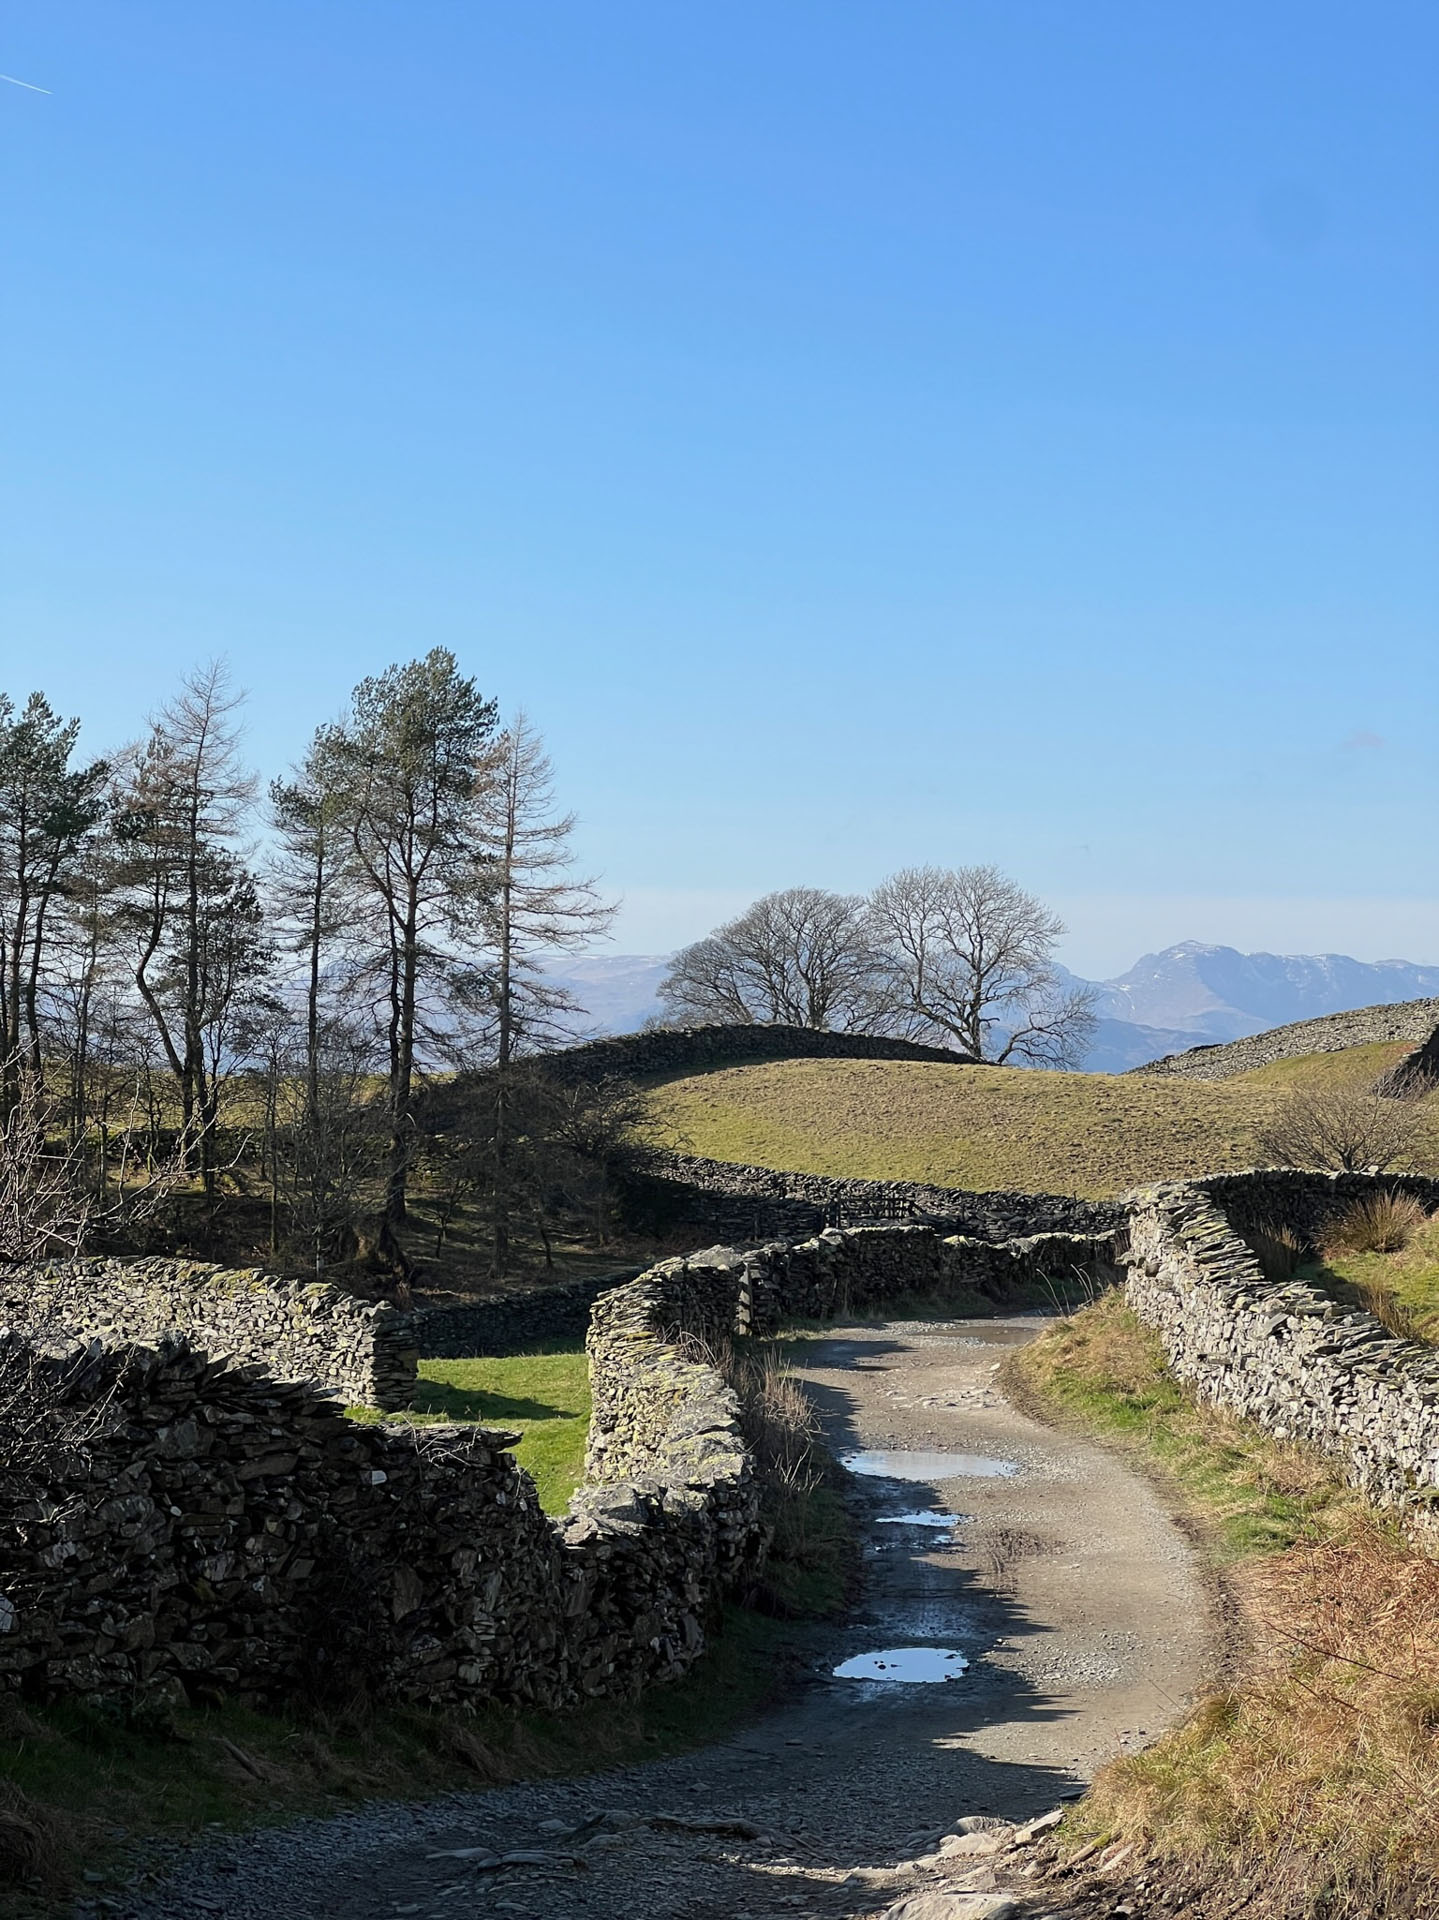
(1032, 1829)
(975, 1846)
(954, 1906)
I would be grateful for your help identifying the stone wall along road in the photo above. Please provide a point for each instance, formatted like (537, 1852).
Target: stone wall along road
(1412, 1020)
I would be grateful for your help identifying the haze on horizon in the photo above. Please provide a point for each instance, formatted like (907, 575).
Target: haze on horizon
(857, 438)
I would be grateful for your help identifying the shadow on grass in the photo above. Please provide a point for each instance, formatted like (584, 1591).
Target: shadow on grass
(484, 1407)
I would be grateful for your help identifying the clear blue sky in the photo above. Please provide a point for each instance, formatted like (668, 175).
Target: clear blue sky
(858, 433)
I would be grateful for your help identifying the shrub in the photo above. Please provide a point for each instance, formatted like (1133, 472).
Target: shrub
(1380, 1223)
(1342, 1126)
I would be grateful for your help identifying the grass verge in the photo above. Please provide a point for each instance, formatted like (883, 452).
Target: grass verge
(1309, 1786)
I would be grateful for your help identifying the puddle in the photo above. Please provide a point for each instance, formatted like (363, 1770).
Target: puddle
(910, 1664)
(929, 1466)
(921, 1519)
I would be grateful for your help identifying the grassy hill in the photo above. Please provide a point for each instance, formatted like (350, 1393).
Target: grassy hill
(1082, 1133)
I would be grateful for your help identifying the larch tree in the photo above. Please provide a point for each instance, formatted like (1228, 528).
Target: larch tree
(534, 906)
(184, 902)
(413, 768)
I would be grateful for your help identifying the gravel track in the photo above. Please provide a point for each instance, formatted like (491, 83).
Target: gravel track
(1065, 1585)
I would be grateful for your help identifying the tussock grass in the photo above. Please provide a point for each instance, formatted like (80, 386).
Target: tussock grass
(1089, 1134)
(1317, 1775)
(1308, 1788)
(1279, 1251)
(1380, 1223)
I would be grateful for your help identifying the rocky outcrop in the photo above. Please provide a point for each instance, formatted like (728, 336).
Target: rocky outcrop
(1412, 1020)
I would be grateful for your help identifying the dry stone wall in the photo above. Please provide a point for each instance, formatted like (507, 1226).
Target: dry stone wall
(315, 1332)
(195, 1523)
(679, 1050)
(1285, 1354)
(750, 1202)
(1412, 1020)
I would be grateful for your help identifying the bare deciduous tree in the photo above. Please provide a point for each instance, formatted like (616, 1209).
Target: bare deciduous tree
(1342, 1125)
(534, 906)
(183, 901)
(967, 954)
(800, 957)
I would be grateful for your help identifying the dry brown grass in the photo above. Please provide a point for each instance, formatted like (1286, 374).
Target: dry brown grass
(1279, 1251)
(1083, 1133)
(1309, 1786)
(1318, 1773)
(1380, 1223)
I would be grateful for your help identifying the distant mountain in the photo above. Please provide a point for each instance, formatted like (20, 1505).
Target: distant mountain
(1182, 997)
(1217, 993)
(1119, 1045)
(616, 991)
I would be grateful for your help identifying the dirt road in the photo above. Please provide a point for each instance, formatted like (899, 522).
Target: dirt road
(1060, 1603)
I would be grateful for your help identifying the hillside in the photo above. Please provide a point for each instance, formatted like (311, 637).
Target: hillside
(1410, 1022)
(984, 1127)
(1184, 996)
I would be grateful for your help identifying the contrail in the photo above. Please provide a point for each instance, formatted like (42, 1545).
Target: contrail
(22, 83)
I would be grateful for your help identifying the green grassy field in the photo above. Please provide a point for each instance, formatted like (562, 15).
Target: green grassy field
(982, 1127)
(545, 1395)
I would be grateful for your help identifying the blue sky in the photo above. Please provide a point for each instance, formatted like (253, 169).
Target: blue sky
(858, 434)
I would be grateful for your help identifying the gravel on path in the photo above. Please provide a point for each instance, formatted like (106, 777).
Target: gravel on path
(1065, 1586)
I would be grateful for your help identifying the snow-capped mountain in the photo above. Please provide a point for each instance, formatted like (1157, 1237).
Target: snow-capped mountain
(1166, 1001)
(1217, 993)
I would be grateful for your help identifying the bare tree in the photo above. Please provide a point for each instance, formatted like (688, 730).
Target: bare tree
(1343, 1125)
(48, 810)
(534, 906)
(183, 901)
(801, 958)
(966, 953)
(564, 1145)
(411, 767)
(306, 873)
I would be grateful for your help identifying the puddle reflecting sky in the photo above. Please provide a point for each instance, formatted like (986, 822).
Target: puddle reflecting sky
(907, 1664)
(921, 1519)
(899, 1465)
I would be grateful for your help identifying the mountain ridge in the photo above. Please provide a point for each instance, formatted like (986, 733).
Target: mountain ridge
(1193, 993)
